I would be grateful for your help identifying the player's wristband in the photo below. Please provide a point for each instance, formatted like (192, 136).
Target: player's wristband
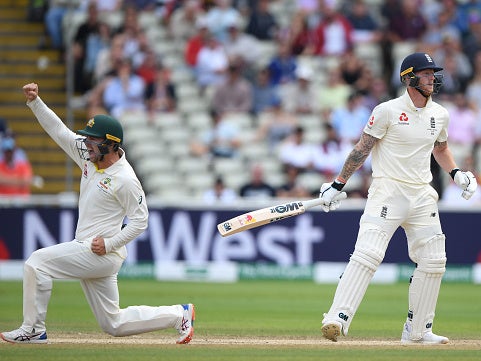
(453, 172)
(337, 185)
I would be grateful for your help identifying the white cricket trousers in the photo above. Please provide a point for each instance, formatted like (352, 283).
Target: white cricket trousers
(98, 277)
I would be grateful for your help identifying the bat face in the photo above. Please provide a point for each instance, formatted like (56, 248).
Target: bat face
(260, 217)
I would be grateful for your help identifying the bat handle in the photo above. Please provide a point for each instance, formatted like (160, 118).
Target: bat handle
(312, 203)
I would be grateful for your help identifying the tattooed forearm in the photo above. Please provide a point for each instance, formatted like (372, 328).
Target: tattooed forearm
(358, 155)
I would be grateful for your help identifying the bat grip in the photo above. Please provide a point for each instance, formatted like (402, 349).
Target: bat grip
(312, 203)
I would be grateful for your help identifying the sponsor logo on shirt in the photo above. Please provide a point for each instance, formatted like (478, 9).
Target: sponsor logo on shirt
(85, 172)
(370, 123)
(403, 119)
(104, 184)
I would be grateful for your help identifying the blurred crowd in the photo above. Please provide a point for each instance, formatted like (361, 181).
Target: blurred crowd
(333, 61)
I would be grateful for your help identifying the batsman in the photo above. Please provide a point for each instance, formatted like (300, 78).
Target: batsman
(401, 134)
(109, 192)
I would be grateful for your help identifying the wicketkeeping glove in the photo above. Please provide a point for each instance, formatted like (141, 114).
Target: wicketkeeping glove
(332, 195)
(466, 181)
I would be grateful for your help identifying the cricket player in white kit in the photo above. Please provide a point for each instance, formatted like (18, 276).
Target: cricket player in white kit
(109, 192)
(401, 134)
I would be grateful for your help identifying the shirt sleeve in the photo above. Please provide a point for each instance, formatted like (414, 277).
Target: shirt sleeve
(378, 122)
(56, 129)
(132, 198)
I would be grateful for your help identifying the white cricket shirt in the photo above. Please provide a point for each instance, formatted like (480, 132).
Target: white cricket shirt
(106, 197)
(407, 137)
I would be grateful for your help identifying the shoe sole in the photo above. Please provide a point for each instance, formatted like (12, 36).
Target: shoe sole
(422, 342)
(189, 337)
(331, 331)
(33, 341)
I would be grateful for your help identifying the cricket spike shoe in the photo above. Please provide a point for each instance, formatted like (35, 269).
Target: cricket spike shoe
(428, 338)
(186, 329)
(21, 336)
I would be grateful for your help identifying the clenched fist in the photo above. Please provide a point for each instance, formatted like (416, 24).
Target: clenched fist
(30, 91)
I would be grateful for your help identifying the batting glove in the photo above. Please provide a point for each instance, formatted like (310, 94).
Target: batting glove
(466, 181)
(331, 195)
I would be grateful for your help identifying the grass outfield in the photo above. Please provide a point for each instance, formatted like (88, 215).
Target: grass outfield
(249, 320)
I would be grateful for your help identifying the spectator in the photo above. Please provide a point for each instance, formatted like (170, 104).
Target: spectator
(473, 89)
(125, 91)
(300, 97)
(276, 125)
(184, 20)
(87, 30)
(264, 93)
(95, 44)
(349, 121)
(54, 22)
(406, 24)
(261, 23)
(149, 67)
(353, 70)
(453, 82)
(257, 187)
(439, 30)
(219, 193)
(220, 16)
(292, 188)
(377, 93)
(460, 67)
(160, 94)
(283, 65)
(234, 94)
(296, 152)
(221, 140)
(241, 47)
(196, 42)
(16, 175)
(464, 122)
(333, 35)
(212, 63)
(296, 36)
(329, 156)
(135, 41)
(365, 27)
(335, 93)
(108, 58)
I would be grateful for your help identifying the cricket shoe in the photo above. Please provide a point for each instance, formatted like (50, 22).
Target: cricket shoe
(21, 336)
(429, 338)
(186, 329)
(332, 330)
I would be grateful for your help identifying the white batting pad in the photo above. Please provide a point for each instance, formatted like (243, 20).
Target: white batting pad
(425, 284)
(368, 254)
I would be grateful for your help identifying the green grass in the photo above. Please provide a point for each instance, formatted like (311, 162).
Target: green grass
(250, 309)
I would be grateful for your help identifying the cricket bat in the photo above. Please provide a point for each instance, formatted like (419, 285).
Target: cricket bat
(263, 216)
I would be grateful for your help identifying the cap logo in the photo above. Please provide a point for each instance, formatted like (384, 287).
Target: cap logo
(91, 123)
(428, 58)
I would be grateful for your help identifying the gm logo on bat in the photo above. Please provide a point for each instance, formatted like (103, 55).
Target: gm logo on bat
(227, 226)
(293, 206)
